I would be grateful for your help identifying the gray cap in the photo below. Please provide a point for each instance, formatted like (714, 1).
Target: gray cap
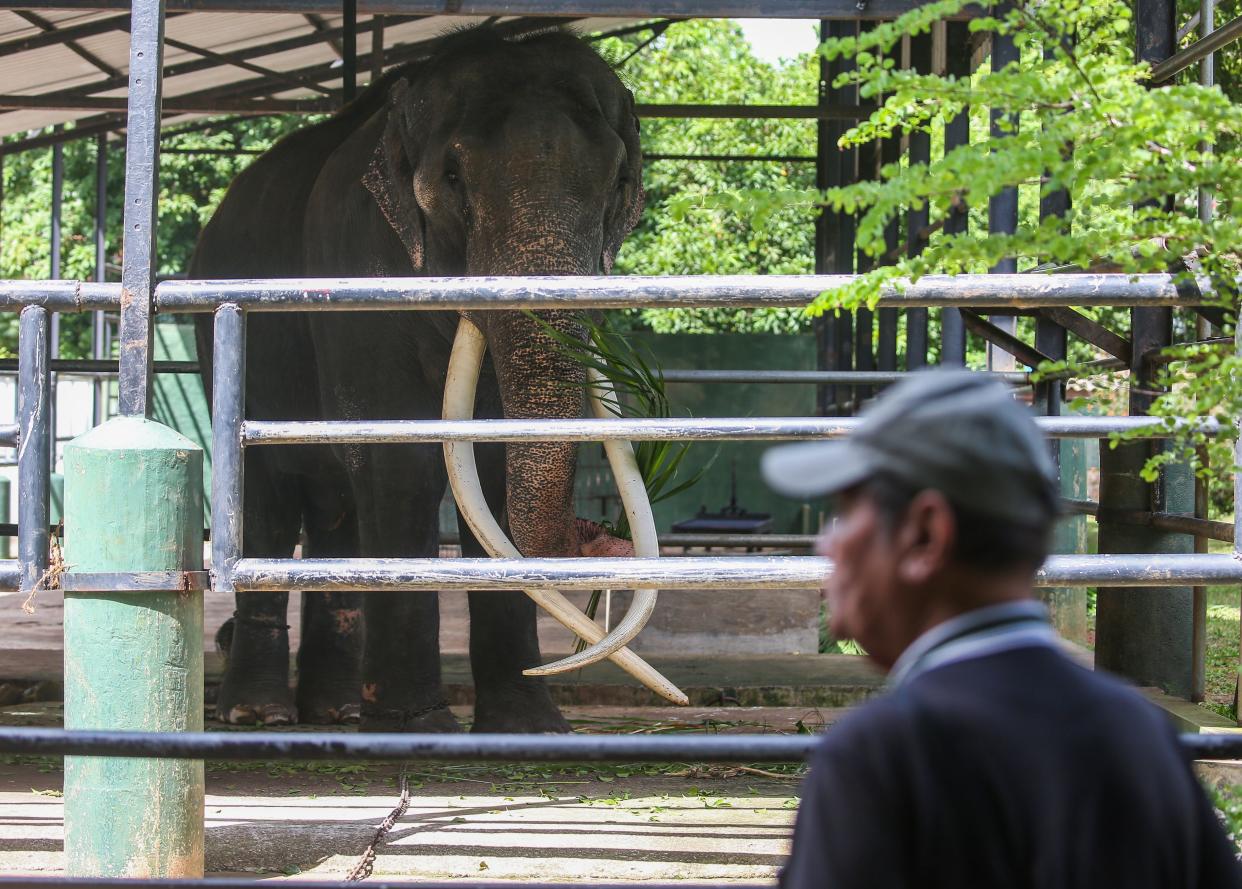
(958, 432)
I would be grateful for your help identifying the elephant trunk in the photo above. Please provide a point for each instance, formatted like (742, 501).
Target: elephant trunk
(537, 381)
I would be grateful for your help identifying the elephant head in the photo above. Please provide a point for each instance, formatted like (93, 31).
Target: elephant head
(516, 157)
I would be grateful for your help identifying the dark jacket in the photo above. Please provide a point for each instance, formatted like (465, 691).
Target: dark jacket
(1018, 768)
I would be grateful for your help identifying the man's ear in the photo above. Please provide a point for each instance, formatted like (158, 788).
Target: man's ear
(926, 537)
(390, 177)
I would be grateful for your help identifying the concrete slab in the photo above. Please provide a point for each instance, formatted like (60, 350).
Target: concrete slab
(597, 823)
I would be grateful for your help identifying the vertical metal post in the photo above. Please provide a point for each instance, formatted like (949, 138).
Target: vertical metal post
(58, 190)
(100, 395)
(1237, 490)
(825, 175)
(956, 132)
(1003, 207)
(34, 395)
(142, 159)
(917, 221)
(886, 339)
(1207, 77)
(377, 47)
(843, 251)
(228, 393)
(53, 331)
(1146, 634)
(349, 49)
(1198, 690)
(1067, 605)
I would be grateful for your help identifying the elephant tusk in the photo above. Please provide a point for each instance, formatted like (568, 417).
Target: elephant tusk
(460, 385)
(642, 526)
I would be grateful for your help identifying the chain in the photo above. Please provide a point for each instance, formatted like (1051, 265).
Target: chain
(366, 863)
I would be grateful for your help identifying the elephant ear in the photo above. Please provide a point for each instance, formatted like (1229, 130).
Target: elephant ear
(626, 216)
(390, 178)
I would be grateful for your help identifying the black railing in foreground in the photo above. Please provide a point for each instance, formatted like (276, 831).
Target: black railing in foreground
(748, 748)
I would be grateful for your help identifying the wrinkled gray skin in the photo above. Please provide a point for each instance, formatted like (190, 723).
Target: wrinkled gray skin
(493, 158)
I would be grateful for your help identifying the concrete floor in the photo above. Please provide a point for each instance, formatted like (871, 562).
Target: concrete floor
(585, 823)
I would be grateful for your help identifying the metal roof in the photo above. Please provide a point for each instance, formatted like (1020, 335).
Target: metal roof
(89, 61)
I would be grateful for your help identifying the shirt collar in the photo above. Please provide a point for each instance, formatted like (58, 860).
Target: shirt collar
(973, 634)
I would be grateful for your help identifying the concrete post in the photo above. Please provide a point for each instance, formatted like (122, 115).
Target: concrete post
(133, 661)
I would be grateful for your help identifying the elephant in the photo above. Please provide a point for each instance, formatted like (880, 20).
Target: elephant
(494, 156)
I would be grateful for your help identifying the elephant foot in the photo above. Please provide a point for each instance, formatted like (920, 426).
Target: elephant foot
(521, 713)
(328, 702)
(257, 714)
(434, 719)
(327, 714)
(255, 686)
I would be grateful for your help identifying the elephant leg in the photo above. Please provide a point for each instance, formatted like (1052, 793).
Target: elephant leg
(330, 652)
(255, 686)
(398, 491)
(504, 640)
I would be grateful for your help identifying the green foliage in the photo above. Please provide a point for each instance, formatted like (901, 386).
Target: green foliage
(710, 62)
(1081, 118)
(191, 186)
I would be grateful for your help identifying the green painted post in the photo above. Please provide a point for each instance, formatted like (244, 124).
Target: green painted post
(133, 661)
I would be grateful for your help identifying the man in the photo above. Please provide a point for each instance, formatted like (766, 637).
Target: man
(994, 760)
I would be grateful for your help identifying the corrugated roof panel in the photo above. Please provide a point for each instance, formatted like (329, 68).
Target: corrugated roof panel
(45, 69)
(55, 68)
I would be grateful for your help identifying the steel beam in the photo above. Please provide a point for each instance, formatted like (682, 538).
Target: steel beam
(997, 336)
(1200, 49)
(1091, 331)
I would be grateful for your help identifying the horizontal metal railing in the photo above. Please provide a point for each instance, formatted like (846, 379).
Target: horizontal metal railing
(680, 573)
(728, 291)
(568, 292)
(273, 432)
(811, 377)
(740, 748)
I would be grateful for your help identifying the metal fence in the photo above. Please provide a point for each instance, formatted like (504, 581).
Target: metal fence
(138, 299)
